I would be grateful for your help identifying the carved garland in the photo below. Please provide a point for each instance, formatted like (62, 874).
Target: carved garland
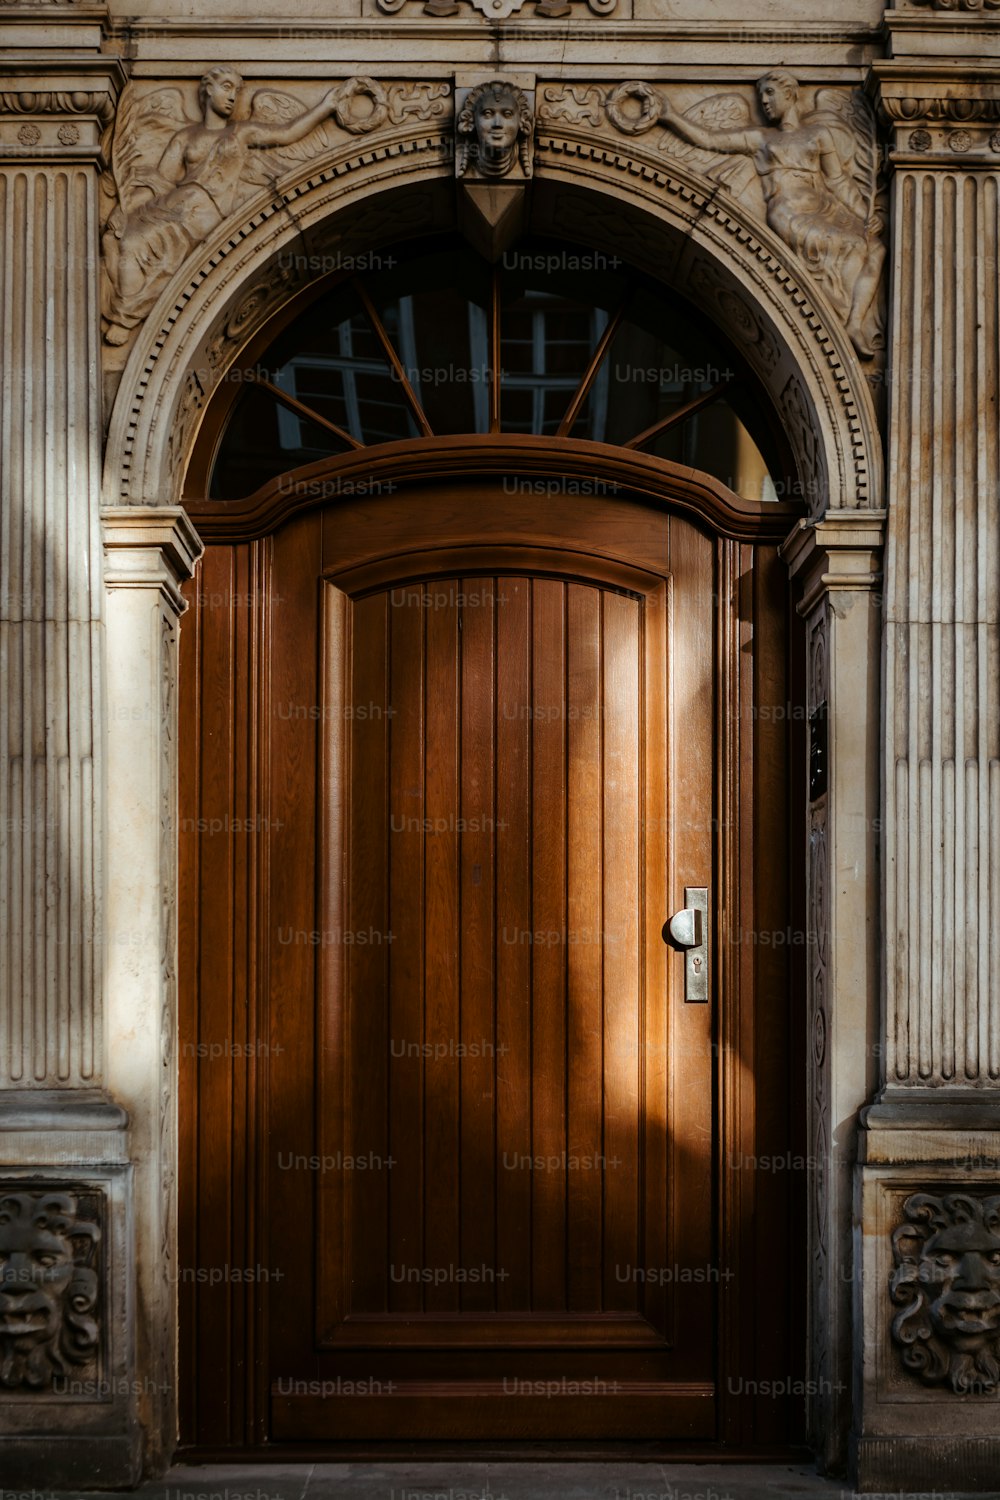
(959, 4)
(502, 10)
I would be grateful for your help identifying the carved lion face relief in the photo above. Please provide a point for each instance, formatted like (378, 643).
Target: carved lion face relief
(947, 1279)
(47, 1288)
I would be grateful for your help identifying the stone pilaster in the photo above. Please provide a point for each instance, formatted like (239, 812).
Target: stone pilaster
(68, 1408)
(149, 553)
(836, 563)
(50, 602)
(927, 1407)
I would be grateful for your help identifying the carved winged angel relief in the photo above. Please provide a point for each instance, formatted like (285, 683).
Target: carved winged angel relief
(175, 179)
(812, 175)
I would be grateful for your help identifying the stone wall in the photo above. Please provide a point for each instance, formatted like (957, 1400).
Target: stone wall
(120, 304)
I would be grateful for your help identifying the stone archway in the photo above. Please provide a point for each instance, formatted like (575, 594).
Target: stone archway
(731, 266)
(681, 230)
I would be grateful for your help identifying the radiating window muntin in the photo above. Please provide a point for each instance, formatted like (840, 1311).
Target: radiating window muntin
(551, 341)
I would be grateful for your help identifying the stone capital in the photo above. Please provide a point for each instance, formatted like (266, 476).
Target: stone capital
(150, 547)
(839, 553)
(942, 112)
(57, 109)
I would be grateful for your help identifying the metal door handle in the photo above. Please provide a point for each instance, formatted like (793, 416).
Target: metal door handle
(687, 931)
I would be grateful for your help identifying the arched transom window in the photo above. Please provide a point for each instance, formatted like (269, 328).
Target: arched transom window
(557, 341)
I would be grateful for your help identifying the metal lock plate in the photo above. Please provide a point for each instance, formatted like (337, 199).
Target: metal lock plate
(687, 931)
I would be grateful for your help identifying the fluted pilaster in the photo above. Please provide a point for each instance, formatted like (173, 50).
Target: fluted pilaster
(932, 1136)
(50, 610)
(942, 664)
(51, 594)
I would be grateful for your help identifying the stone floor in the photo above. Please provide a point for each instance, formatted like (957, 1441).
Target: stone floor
(498, 1481)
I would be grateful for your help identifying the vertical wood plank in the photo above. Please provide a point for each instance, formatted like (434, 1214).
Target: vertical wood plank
(441, 929)
(215, 987)
(406, 885)
(552, 938)
(289, 954)
(622, 976)
(513, 1000)
(478, 942)
(653, 1297)
(367, 937)
(584, 908)
(189, 936)
(333, 975)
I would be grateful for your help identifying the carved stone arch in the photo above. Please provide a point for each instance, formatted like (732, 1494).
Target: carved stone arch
(670, 223)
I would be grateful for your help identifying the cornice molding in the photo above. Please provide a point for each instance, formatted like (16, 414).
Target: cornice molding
(430, 32)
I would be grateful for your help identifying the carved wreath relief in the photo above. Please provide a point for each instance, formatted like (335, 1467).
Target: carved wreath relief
(807, 168)
(49, 1286)
(176, 179)
(946, 1283)
(810, 173)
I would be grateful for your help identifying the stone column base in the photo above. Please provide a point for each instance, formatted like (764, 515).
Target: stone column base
(927, 1227)
(67, 1416)
(893, 1464)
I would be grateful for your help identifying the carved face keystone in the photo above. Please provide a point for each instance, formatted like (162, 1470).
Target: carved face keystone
(498, 121)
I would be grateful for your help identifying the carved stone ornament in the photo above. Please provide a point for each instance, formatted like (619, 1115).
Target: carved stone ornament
(502, 10)
(959, 4)
(912, 109)
(49, 1286)
(47, 102)
(811, 173)
(946, 1283)
(495, 131)
(175, 179)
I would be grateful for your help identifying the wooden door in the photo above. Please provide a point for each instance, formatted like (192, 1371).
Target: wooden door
(481, 1121)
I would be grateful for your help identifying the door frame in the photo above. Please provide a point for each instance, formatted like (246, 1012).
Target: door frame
(743, 532)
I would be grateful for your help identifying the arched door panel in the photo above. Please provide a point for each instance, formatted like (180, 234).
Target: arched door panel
(474, 1143)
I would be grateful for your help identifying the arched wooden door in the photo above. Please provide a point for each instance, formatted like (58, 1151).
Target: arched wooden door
(481, 1150)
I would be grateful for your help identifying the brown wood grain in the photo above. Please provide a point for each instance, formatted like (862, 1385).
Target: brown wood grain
(523, 730)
